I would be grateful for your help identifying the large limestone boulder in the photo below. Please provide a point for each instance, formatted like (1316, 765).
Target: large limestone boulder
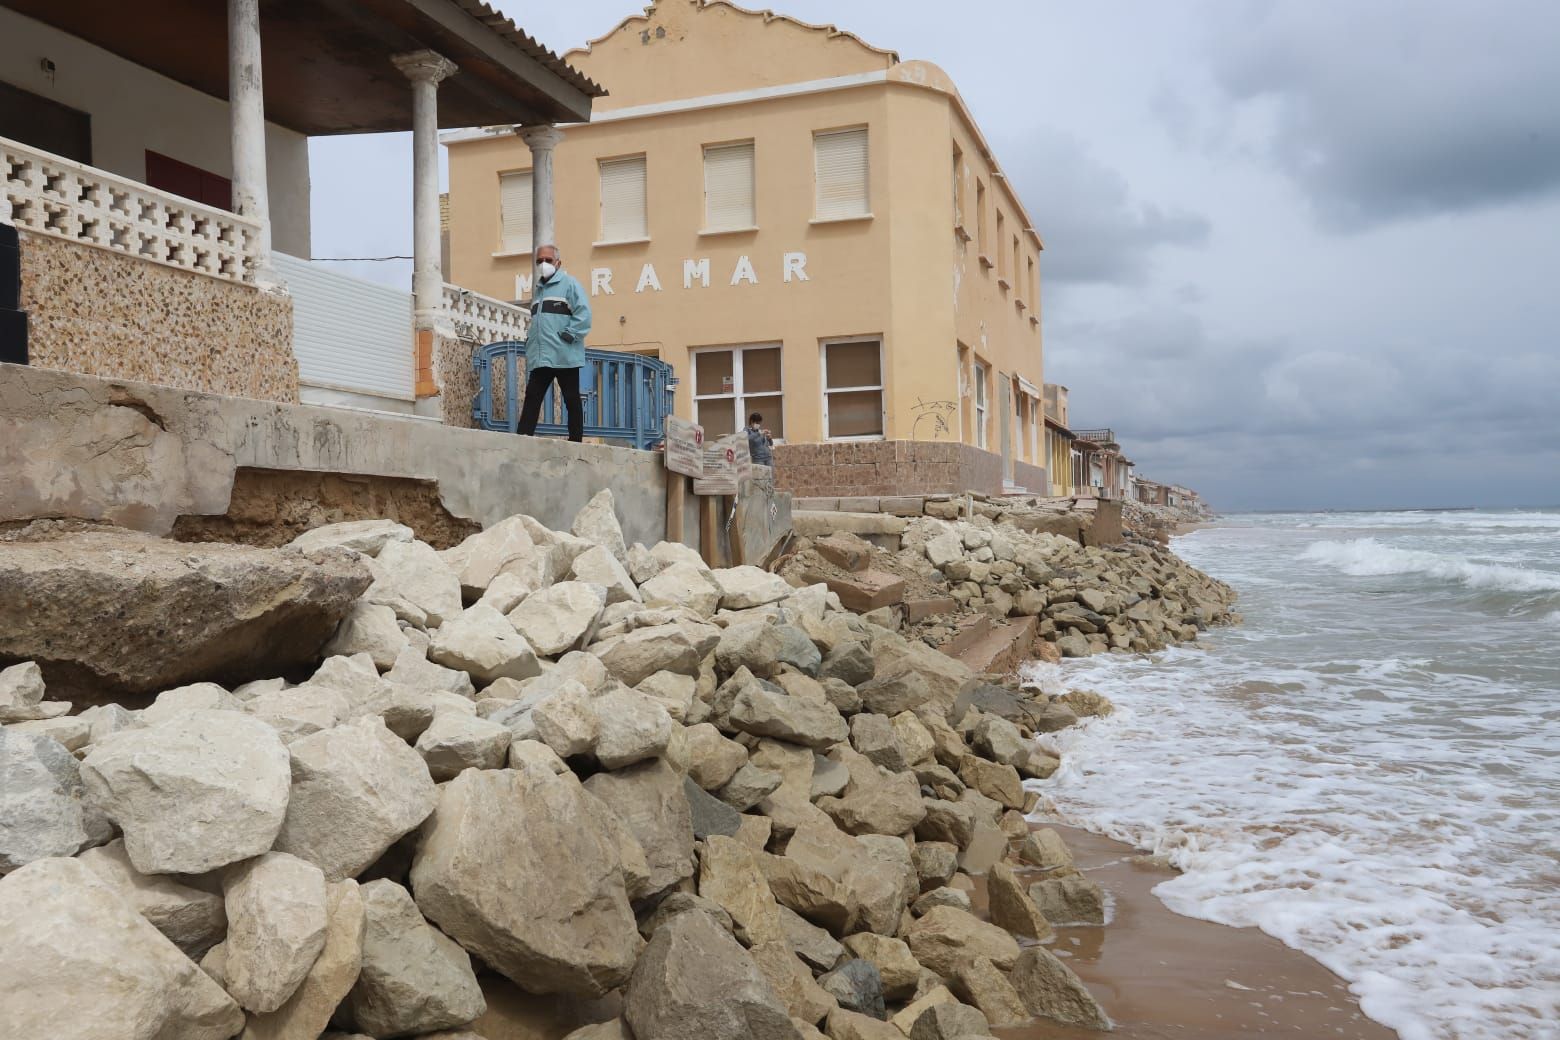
(683, 585)
(896, 966)
(762, 647)
(567, 720)
(414, 979)
(42, 808)
(276, 912)
(597, 522)
(412, 668)
(742, 588)
(457, 741)
(406, 710)
(598, 566)
(505, 548)
(695, 980)
(834, 880)
(365, 536)
(21, 693)
(306, 1014)
(711, 758)
(1010, 906)
(369, 628)
(418, 573)
(632, 727)
(170, 704)
(815, 945)
(946, 940)
(650, 800)
(1069, 900)
(482, 643)
(792, 982)
(730, 876)
(1050, 989)
(119, 612)
(193, 919)
(79, 963)
(515, 867)
(561, 618)
(299, 711)
(356, 790)
(635, 656)
(875, 801)
(195, 793)
(763, 712)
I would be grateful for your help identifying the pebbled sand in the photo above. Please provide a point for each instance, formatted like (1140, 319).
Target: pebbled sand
(1161, 976)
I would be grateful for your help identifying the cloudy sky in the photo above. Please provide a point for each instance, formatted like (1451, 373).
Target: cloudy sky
(1298, 254)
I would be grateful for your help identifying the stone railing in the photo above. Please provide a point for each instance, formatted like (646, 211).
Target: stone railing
(50, 195)
(482, 319)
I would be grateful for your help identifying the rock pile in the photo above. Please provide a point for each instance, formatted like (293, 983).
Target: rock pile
(1087, 599)
(546, 784)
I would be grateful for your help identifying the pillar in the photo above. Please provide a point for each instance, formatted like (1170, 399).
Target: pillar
(426, 70)
(541, 140)
(246, 109)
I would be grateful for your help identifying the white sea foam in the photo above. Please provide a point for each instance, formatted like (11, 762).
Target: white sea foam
(1368, 774)
(1369, 557)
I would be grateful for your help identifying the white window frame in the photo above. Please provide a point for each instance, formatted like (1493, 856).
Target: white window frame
(982, 403)
(504, 247)
(826, 390)
(712, 228)
(866, 186)
(738, 391)
(601, 196)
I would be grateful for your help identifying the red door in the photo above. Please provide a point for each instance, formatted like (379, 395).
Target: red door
(192, 182)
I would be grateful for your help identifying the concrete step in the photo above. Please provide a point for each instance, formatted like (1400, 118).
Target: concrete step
(1001, 649)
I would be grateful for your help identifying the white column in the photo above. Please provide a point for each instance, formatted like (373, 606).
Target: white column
(425, 69)
(246, 108)
(541, 140)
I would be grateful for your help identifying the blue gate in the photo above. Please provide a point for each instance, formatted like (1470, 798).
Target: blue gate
(627, 396)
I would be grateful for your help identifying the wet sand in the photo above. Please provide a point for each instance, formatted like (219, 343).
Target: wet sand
(1161, 976)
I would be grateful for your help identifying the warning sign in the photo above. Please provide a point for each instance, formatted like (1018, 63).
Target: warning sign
(684, 447)
(723, 459)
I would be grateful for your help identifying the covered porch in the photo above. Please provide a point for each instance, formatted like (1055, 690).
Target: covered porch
(154, 181)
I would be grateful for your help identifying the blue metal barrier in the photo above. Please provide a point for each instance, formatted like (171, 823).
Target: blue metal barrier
(628, 399)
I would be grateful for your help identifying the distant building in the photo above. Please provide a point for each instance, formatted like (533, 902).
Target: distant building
(1062, 459)
(804, 226)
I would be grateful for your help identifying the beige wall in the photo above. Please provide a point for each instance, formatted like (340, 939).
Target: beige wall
(134, 110)
(901, 275)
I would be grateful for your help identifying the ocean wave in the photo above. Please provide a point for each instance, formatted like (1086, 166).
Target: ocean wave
(1368, 557)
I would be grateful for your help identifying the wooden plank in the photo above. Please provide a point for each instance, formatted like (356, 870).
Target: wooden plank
(709, 524)
(728, 507)
(676, 493)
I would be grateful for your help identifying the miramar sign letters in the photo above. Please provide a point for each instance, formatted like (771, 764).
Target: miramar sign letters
(695, 274)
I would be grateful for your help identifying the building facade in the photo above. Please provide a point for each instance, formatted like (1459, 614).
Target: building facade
(801, 224)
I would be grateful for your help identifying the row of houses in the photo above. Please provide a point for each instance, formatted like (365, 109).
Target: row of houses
(796, 222)
(1089, 463)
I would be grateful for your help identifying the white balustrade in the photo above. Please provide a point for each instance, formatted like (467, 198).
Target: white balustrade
(51, 195)
(482, 319)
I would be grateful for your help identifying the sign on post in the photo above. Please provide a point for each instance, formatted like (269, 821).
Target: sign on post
(684, 447)
(720, 468)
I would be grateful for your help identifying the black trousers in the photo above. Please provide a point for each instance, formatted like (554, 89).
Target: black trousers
(537, 382)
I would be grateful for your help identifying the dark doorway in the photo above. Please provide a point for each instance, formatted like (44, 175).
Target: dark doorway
(47, 125)
(191, 182)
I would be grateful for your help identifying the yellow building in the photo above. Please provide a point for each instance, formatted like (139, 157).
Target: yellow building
(802, 225)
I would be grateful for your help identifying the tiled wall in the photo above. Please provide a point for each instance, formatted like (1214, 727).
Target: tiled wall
(96, 312)
(894, 468)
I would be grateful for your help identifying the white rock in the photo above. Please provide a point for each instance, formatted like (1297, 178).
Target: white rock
(276, 928)
(507, 591)
(810, 602)
(634, 657)
(405, 709)
(385, 592)
(356, 790)
(414, 979)
(42, 813)
(744, 587)
(683, 585)
(945, 549)
(632, 728)
(365, 536)
(73, 731)
(173, 703)
(412, 668)
(567, 721)
(194, 793)
(673, 692)
(417, 572)
(105, 719)
(598, 566)
(193, 920)
(534, 753)
(299, 710)
(457, 742)
(484, 644)
(79, 963)
(371, 629)
(676, 552)
(650, 800)
(248, 691)
(642, 566)
(597, 522)
(306, 1014)
(482, 557)
(560, 618)
(584, 668)
(21, 691)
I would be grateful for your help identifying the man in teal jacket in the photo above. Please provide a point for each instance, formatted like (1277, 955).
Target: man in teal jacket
(555, 343)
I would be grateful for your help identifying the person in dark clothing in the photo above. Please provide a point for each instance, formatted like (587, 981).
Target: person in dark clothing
(555, 343)
(759, 441)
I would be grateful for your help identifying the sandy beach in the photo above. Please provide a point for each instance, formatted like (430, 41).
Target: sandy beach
(1160, 975)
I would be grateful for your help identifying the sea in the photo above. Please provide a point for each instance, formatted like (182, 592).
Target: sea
(1367, 769)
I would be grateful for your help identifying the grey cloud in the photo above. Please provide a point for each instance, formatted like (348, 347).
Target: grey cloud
(1092, 228)
(1398, 109)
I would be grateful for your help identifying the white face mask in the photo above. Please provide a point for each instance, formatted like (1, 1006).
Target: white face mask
(547, 269)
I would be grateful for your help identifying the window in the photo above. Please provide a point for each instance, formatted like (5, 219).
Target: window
(958, 190)
(514, 211)
(840, 165)
(728, 187)
(980, 218)
(731, 383)
(623, 216)
(980, 405)
(853, 389)
(1002, 271)
(1019, 286)
(190, 182)
(1034, 288)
